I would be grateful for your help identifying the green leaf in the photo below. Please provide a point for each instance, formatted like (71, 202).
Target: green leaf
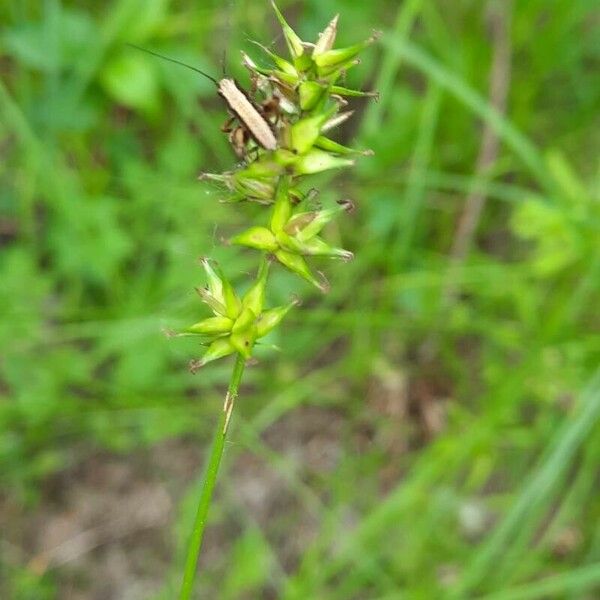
(252, 557)
(132, 81)
(148, 20)
(557, 242)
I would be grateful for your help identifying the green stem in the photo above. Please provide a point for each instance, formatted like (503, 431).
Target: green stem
(210, 479)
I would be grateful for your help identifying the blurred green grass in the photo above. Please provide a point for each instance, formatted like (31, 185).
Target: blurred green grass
(468, 438)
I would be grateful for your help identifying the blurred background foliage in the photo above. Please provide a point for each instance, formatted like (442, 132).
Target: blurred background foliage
(429, 428)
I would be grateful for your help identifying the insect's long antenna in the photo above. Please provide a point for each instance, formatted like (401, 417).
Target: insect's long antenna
(224, 62)
(177, 62)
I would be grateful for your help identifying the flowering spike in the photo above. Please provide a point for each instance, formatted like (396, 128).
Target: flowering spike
(302, 102)
(255, 296)
(243, 332)
(310, 94)
(317, 161)
(298, 222)
(232, 302)
(254, 189)
(219, 177)
(217, 307)
(264, 169)
(337, 120)
(304, 63)
(243, 343)
(342, 56)
(294, 43)
(305, 132)
(220, 293)
(318, 247)
(326, 38)
(286, 66)
(297, 264)
(214, 280)
(218, 349)
(212, 326)
(271, 318)
(260, 238)
(334, 72)
(248, 62)
(280, 136)
(282, 208)
(321, 218)
(330, 146)
(245, 321)
(283, 77)
(343, 91)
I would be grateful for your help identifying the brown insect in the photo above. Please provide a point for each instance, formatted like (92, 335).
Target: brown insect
(255, 121)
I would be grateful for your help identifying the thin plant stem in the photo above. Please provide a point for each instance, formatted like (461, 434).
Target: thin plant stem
(210, 479)
(270, 176)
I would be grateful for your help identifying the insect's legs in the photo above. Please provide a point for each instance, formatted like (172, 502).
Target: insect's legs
(227, 126)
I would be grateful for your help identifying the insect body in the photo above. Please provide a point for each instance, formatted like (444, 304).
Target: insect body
(253, 119)
(253, 122)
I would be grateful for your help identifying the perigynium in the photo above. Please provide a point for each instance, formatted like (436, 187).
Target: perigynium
(307, 102)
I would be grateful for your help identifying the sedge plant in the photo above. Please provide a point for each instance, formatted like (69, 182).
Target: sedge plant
(310, 102)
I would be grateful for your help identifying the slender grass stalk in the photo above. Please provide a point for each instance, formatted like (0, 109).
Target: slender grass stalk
(210, 478)
(456, 86)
